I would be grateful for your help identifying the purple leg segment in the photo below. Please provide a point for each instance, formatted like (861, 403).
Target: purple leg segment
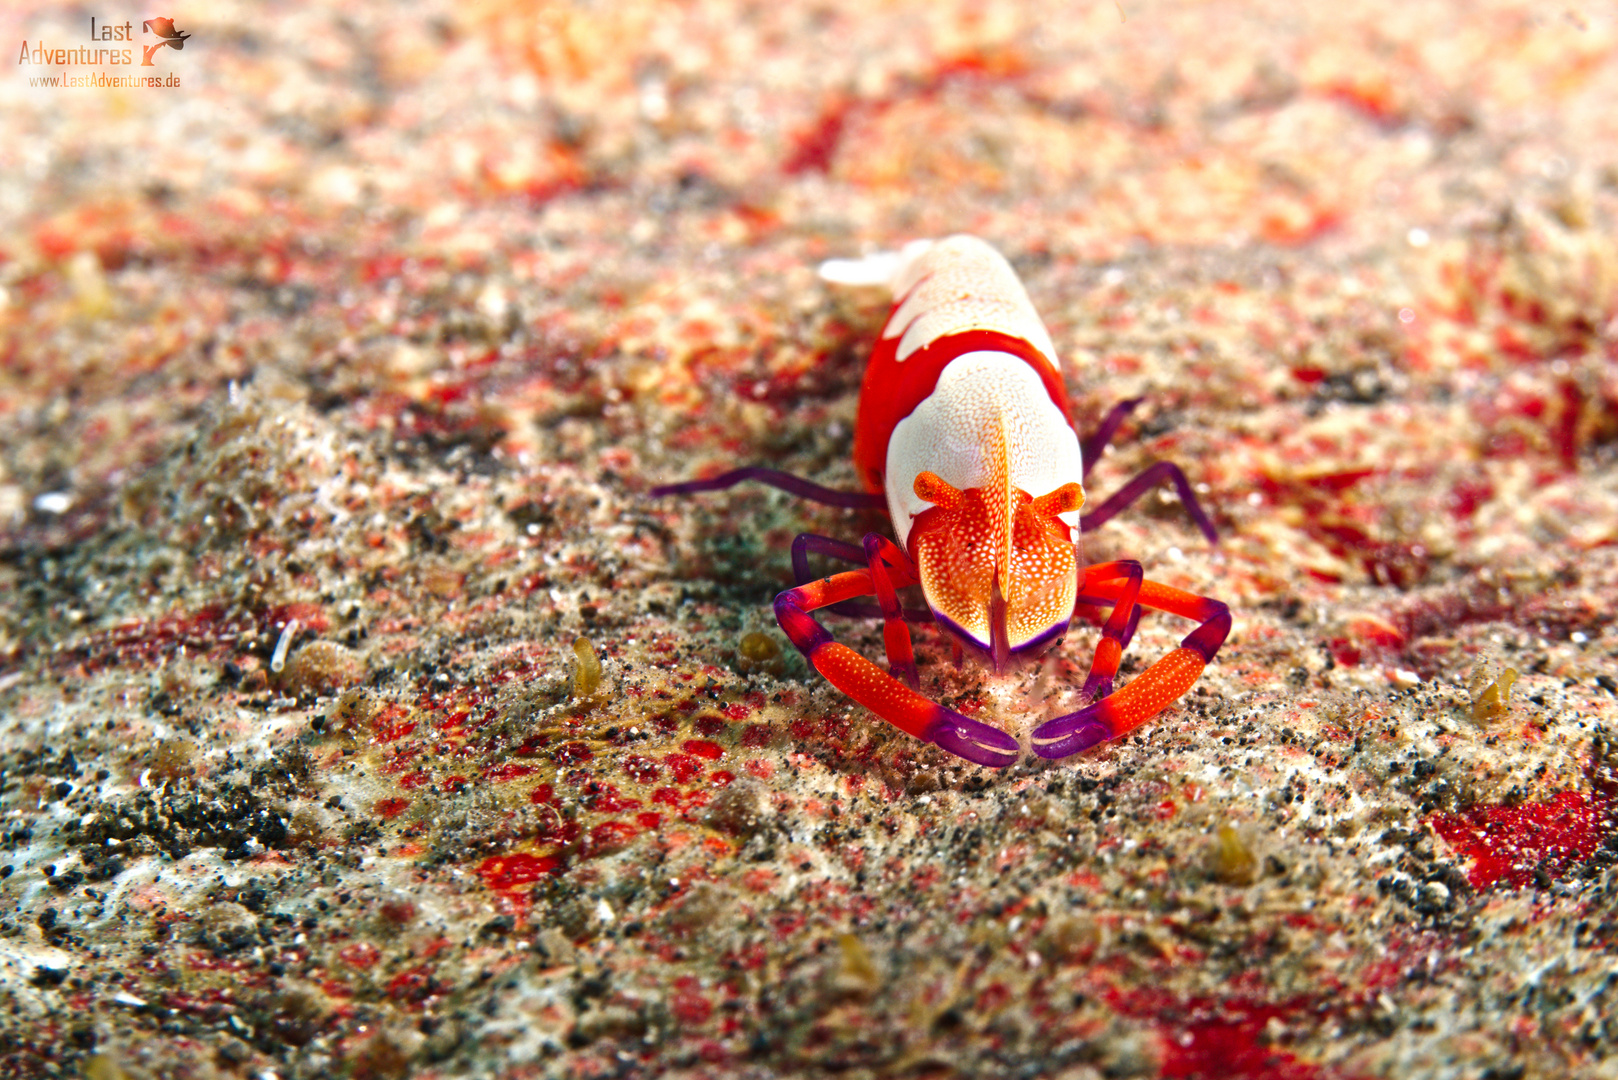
(1140, 485)
(976, 742)
(1090, 449)
(1073, 733)
(1206, 639)
(806, 544)
(793, 485)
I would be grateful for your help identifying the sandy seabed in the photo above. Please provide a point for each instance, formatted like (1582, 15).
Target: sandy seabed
(361, 716)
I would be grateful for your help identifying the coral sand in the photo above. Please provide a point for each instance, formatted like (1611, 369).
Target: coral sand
(360, 715)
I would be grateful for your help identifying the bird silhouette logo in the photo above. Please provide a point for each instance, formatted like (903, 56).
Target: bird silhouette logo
(167, 35)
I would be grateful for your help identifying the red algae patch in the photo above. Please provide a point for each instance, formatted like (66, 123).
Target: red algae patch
(512, 872)
(392, 807)
(1206, 1038)
(1530, 844)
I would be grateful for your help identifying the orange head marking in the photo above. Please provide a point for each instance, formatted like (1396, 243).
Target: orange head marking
(995, 562)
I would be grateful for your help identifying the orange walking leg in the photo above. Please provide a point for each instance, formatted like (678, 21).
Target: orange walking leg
(876, 689)
(891, 570)
(1127, 577)
(1155, 689)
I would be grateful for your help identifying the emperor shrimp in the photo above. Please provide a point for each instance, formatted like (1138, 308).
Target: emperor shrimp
(966, 437)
